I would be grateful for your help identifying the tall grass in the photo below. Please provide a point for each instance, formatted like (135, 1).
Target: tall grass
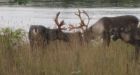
(62, 59)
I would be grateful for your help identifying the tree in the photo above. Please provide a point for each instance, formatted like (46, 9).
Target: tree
(21, 2)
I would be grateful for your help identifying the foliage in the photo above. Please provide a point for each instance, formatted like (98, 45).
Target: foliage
(82, 3)
(63, 59)
(20, 2)
(11, 37)
(60, 58)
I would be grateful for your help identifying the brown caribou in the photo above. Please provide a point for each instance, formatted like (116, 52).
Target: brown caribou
(82, 25)
(131, 37)
(107, 26)
(77, 36)
(40, 36)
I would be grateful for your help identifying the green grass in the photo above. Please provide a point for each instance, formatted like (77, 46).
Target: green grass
(61, 59)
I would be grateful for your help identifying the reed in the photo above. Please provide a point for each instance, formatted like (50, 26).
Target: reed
(60, 58)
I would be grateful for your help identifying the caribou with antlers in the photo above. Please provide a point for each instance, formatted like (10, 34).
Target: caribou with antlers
(108, 26)
(77, 36)
(40, 36)
(83, 38)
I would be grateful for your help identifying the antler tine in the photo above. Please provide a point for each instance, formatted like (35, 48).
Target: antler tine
(62, 23)
(56, 19)
(79, 15)
(82, 21)
(57, 23)
(87, 16)
(71, 27)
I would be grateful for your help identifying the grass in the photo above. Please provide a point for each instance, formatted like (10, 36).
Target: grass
(61, 59)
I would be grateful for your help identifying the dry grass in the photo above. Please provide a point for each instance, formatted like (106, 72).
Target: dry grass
(62, 59)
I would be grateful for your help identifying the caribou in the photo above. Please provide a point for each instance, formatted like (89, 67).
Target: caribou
(131, 37)
(82, 37)
(40, 36)
(106, 27)
(120, 27)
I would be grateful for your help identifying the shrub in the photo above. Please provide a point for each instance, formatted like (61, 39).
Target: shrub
(20, 2)
(10, 37)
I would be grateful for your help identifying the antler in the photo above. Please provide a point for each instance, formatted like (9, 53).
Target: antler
(71, 27)
(87, 17)
(82, 23)
(57, 23)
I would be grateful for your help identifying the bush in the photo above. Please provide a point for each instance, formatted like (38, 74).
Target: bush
(20, 2)
(10, 37)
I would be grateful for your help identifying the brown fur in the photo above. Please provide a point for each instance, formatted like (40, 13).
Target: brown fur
(134, 39)
(40, 36)
(107, 26)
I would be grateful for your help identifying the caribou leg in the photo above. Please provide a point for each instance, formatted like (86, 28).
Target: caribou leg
(106, 38)
(137, 51)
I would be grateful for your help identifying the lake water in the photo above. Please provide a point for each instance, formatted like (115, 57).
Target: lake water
(24, 17)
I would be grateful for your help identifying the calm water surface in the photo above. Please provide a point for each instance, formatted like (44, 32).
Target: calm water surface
(23, 17)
